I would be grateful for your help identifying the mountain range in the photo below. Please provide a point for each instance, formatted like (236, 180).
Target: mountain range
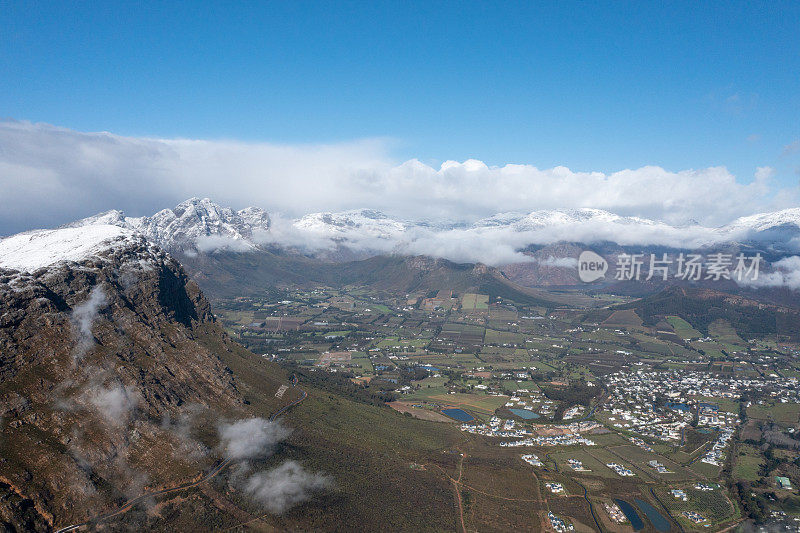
(200, 225)
(234, 252)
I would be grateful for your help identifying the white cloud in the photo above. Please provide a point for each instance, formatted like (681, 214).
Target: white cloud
(277, 489)
(114, 402)
(285, 486)
(82, 319)
(210, 243)
(559, 262)
(51, 175)
(784, 273)
(251, 438)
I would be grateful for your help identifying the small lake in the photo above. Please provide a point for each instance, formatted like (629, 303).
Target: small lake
(527, 414)
(458, 414)
(657, 519)
(630, 514)
(678, 406)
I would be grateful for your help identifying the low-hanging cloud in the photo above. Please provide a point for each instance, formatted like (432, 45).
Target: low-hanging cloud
(499, 240)
(558, 262)
(83, 317)
(115, 402)
(285, 486)
(251, 438)
(783, 273)
(280, 488)
(46, 171)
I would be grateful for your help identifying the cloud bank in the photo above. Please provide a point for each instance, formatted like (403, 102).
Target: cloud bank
(497, 240)
(783, 273)
(51, 175)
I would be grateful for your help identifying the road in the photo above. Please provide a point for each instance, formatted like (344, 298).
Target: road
(212, 474)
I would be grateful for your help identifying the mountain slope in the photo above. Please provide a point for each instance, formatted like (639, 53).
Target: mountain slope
(227, 275)
(701, 306)
(115, 382)
(109, 370)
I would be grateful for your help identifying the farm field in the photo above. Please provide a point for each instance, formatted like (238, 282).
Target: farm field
(625, 318)
(471, 302)
(713, 505)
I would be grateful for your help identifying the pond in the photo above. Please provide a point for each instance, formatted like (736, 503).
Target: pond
(527, 414)
(657, 519)
(458, 414)
(630, 514)
(678, 406)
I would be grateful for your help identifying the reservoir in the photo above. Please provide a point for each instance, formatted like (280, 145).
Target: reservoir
(630, 514)
(527, 414)
(678, 406)
(458, 414)
(657, 519)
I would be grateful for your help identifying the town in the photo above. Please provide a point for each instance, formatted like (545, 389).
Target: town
(706, 420)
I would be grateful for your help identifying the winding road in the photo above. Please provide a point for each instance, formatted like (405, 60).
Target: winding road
(212, 474)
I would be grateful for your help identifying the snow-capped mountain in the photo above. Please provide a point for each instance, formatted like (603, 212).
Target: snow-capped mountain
(366, 223)
(199, 225)
(556, 217)
(786, 219)
(194, 225)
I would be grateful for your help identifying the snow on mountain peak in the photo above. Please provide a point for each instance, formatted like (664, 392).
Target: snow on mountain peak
(785, 218)
(200, 225)
(556, 217)
(32, 250)
(366, 222)
(197, 223)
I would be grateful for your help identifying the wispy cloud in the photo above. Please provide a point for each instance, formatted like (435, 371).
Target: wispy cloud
(277, 489)
(83, 316)
(115, 401)
(792, 148)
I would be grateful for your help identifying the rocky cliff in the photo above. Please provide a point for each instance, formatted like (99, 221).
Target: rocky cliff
(110, 379)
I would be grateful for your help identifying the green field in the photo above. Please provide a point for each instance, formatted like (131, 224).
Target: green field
(747, 463)
(722, 331)
(480, 403)
(786, 414)
(682, 328)
(503, 337)
(713, 505)
(474, 302)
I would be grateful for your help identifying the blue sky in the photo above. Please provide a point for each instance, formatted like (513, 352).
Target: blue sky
(591, 86)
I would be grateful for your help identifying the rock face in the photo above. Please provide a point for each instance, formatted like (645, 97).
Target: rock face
(108, 373)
